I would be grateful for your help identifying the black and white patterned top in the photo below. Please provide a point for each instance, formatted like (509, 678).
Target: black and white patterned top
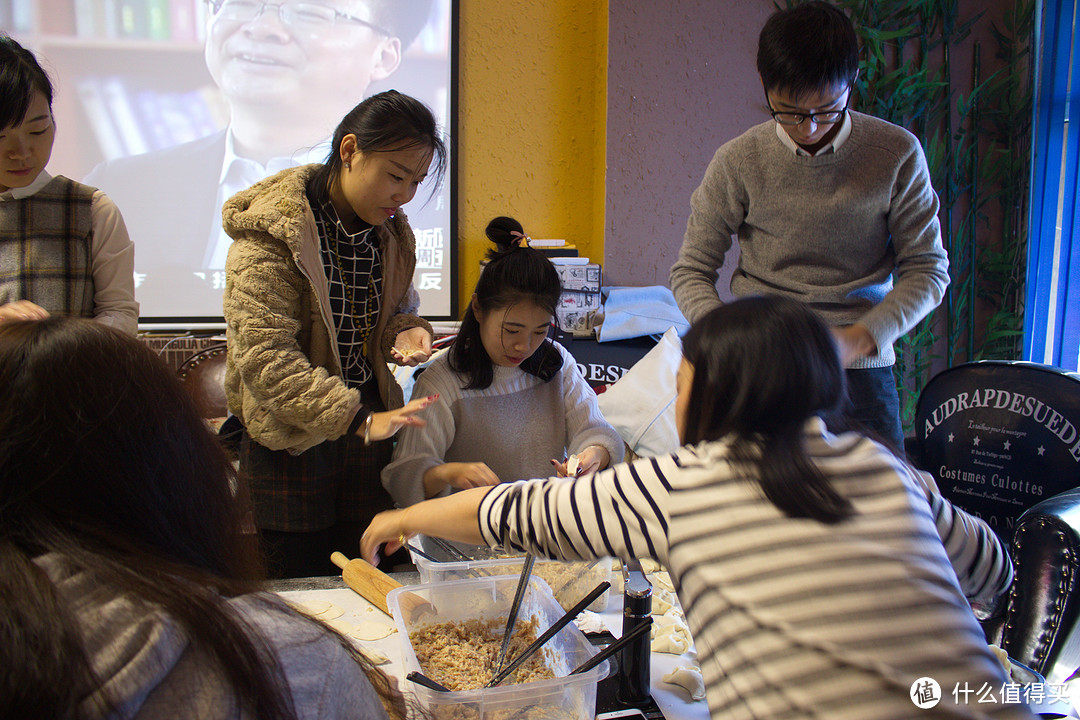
(353, 266)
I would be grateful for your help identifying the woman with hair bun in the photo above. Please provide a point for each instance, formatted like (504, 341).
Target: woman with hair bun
(512, 402)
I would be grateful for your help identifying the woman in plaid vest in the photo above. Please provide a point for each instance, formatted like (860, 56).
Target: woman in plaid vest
(64, 249)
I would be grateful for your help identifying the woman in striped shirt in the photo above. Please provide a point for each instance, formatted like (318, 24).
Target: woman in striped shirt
(820, 575)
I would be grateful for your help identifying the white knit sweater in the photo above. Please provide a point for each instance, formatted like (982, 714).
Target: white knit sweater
(516, 426)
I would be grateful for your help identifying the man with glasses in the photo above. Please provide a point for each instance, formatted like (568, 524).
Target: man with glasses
(831, 207)
(289, 71)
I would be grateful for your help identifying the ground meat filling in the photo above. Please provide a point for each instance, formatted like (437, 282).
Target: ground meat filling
(461, 655)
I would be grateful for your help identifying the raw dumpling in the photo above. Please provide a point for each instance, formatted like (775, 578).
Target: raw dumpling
(663, 601)
(662, 580)
(589, 622)
(688, 677)
(670, 634)
(649, 566)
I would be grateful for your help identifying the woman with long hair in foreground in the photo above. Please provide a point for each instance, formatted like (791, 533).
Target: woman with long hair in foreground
(126, 588)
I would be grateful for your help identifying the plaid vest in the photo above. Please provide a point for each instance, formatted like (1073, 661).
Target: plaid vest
(45, 248)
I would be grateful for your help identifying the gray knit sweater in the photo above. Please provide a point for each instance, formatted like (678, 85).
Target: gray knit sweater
(150, 670)
(854, 233)
(516, 426)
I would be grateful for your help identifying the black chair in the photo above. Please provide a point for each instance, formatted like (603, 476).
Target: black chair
(1002, 440)
(203, 374)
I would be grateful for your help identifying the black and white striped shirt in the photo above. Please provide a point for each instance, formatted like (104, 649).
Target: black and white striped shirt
(353, 266)
(792, 618)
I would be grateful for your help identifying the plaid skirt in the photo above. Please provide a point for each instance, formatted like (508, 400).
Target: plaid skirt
(334, 481)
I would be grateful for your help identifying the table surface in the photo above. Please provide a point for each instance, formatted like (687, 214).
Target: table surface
(671, 699)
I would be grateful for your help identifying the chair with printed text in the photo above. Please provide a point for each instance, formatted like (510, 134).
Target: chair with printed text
(1002, 441)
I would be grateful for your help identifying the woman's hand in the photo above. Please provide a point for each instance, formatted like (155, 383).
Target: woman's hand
(411, 347)
(465, 475)
(452, 518)
(385, 424)
(590, 460)
(386, 527)
(22, 310)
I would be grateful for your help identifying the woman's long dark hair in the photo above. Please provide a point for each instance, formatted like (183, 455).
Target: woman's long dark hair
(20, 76)
(384, 122)
(104, 459)
(762, 367)
(514, 274)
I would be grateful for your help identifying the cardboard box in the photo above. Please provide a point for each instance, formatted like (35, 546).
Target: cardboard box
(579, 276)
(580, 297)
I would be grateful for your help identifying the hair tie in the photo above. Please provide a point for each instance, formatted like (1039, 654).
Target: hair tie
(522, 238)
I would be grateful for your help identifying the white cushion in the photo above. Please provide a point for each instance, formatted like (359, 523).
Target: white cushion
(641, 404)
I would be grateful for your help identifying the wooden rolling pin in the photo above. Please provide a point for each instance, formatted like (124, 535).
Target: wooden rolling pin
(373, 585)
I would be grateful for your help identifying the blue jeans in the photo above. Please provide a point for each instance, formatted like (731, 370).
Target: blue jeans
(873, 406)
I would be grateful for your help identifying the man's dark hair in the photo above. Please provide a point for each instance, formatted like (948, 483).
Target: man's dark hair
(806, 49)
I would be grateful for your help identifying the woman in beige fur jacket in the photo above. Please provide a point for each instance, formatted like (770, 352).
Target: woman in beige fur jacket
(318, 297)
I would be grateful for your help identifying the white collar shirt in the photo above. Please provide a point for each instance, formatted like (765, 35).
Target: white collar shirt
(841, 137)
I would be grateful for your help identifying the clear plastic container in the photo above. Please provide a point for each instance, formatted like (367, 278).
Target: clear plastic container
(569, 697)
(569, 581)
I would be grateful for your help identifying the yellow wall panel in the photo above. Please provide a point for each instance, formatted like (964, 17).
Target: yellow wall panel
(532, 89)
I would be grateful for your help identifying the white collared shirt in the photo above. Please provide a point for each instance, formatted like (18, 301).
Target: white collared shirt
(239, 173)
(841, 136)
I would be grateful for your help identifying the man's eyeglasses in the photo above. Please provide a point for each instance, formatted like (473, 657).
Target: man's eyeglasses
(312, 16)
(826, 117)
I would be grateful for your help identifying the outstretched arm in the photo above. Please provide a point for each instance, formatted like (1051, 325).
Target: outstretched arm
(453, 517)
(978, 556)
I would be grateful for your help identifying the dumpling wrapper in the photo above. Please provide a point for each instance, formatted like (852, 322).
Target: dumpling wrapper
(342, 626)
(374, 655)
(310, 607)
(688, 677)
(372, 630)
(332, 612)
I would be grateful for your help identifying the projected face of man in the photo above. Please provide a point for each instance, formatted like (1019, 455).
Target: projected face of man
(295, 64)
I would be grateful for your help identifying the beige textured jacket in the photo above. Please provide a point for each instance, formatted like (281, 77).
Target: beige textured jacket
(283, 378)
